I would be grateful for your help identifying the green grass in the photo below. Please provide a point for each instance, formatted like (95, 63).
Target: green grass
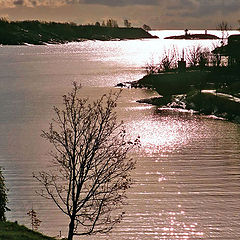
(13, 231)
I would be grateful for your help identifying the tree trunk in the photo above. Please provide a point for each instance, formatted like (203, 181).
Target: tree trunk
(71, 229)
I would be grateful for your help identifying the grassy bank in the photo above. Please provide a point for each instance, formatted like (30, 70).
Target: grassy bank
(36, 32)
(13, 231)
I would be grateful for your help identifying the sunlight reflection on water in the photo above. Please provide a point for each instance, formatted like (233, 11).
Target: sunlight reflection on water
(187, 177)
(164, 131)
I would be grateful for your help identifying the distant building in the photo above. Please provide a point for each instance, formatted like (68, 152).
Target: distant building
(182, 65)
(231, 50)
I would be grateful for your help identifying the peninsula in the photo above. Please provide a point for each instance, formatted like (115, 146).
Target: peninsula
(205, 86)
(38, 33)
(210, 92)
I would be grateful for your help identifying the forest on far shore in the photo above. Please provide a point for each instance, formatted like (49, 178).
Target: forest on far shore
(38, 32)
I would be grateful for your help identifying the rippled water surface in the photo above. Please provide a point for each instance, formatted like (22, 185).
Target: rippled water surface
(187, 178)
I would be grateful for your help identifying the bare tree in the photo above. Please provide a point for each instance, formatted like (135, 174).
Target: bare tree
(199, 56)
(91, 170)
(169, 60)
(126, 23)
(112, 23)
(35, 221)
(97, 24)
(151, 68)
(193, 55)
(224, 27)
(146, 27)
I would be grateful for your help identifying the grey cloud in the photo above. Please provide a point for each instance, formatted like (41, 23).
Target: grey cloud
(181, 4)
(110, 3)
(122, 2)
(71, 1)
(35, 3)
(207, 8)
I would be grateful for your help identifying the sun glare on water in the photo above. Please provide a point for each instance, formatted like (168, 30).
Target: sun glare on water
(163, 132)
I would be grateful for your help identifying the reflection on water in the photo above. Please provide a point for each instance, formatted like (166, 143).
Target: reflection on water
(184, 185)
(162, 131)
(187, 178)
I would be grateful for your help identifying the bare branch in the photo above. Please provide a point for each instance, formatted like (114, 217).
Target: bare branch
(91, 168)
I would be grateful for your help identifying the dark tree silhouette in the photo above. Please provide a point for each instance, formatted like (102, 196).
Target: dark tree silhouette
(111, 23)
(199, 56)
(126, 23)
(3, 197)
(97, 24)
(146, 27)
(91, 170)
(35, 221)
(224, 27)
(169, 59)
(193, 55)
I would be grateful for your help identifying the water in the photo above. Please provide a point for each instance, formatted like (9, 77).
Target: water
(187, 178)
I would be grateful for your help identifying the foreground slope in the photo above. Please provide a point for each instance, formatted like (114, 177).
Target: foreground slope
(13, 231)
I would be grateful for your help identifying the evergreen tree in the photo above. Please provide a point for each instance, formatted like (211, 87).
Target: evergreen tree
(3, 197)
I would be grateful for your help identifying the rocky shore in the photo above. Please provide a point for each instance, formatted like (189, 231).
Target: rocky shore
(206, 92)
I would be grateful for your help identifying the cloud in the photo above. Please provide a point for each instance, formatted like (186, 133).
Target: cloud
(122, 2)
(195, 6)
(181, 4)
(163, 14)
(111, 3)
(34, 3)
(208, 8)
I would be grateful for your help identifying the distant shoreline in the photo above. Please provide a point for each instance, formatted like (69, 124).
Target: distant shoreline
(40, 33)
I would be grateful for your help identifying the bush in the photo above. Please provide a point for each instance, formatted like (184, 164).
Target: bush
(167, 62)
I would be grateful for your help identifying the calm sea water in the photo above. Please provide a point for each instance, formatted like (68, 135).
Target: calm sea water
(187, 178)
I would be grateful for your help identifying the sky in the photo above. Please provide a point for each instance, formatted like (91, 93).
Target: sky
(158, 14)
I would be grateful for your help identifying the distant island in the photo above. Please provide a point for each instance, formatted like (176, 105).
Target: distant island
(194, 37)
(38, 33)
(189, 36)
